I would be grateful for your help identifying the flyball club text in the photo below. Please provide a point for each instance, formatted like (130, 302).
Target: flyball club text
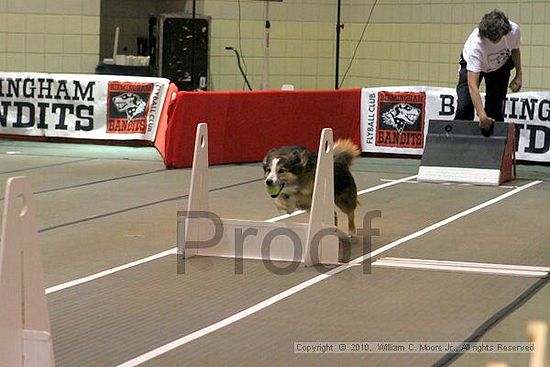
(526, 109)
(60, 97)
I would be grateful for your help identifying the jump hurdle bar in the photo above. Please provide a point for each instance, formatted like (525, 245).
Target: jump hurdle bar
(25, 338)
(315, 242)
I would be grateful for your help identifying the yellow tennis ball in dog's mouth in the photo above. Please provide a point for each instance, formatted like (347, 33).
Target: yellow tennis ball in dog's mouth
(273, 190)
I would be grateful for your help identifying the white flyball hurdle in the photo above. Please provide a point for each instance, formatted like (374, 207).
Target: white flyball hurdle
(537, 332)
(25, 338)
(315, 242)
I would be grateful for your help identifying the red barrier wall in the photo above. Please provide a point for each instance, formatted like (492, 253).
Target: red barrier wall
(243, 126)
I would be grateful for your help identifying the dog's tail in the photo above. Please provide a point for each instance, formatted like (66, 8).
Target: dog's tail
(345, 152)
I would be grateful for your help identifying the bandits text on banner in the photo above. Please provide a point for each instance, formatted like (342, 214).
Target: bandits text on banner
(81, 106)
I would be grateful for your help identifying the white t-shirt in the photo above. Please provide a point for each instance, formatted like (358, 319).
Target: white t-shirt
(482, 55)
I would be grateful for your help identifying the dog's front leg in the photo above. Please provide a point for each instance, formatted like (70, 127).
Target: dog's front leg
(351, 224)
(286, 203)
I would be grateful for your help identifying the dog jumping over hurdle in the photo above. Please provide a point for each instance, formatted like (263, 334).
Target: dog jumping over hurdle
(289, 173)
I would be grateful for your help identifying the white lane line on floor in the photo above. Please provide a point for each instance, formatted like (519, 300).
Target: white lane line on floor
(388, 184)
(297, 288)
(451, 183)
(370, 189)
(104, 273)
(468, 263)
(159, 255)
(463, 267)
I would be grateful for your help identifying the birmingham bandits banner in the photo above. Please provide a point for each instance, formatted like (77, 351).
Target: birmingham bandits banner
(81, 106)
(395, 119)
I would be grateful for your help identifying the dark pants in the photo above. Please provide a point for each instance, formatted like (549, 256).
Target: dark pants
(496, 86)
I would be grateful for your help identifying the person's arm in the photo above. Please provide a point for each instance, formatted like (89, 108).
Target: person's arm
(516, 83)
(473, 86)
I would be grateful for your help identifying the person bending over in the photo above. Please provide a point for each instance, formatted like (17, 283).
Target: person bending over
(490, 52)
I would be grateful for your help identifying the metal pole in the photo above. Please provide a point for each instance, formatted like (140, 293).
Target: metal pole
(338, 29)
(265, 82)
(193, 43)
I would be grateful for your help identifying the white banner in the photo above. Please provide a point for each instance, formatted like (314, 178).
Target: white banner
(82, 106)
(395, 119)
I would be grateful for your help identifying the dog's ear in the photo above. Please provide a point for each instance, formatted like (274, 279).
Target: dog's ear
(304, 157)
(299, 159)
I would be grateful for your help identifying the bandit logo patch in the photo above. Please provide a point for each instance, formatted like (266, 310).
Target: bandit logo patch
(130, 103)
(400, 115)
(128, 107)
(401, 119)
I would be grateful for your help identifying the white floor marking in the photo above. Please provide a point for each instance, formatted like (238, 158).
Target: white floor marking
(285, 216)
(297, 288)
(467, 263)
(451, 183)
(392, 180)
(159, 255)
(383, 186)
(101, 274)
(464, 267)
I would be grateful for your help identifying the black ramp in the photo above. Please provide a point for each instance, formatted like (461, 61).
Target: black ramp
(459, 151)
(461, 144)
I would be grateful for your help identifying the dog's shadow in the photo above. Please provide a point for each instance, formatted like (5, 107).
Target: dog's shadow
(349, 248)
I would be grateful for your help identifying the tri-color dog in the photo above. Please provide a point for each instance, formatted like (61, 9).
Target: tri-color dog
(290, 173)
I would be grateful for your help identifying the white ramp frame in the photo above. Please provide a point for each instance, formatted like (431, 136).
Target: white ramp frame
(25, 338)
(248, 239)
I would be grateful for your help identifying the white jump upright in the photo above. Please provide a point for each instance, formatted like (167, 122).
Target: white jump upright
(25, 338)
(311, 243)
(196, 229)
(537, 332)
(322, 205)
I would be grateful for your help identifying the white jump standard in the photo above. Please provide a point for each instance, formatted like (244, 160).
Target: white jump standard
(25, 338)
(201, 233)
